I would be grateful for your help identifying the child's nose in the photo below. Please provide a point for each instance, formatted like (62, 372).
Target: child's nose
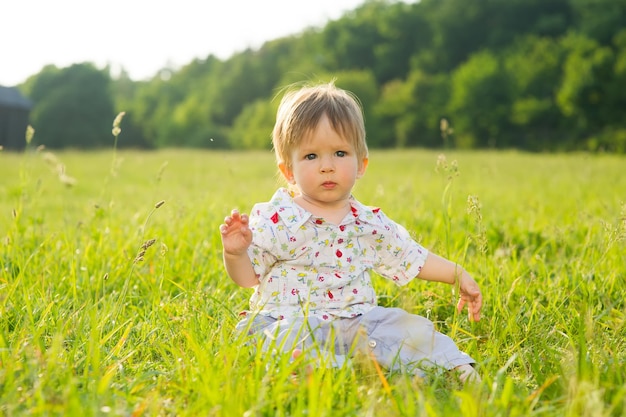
(326, 164)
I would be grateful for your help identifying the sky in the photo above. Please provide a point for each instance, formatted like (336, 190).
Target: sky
(144, 36)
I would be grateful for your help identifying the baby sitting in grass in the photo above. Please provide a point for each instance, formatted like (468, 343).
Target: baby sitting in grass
(308, 252)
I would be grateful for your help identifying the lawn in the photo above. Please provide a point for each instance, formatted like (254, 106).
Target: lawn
(114, 300)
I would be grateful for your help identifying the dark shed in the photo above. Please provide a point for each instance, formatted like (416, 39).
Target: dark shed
(14, 112)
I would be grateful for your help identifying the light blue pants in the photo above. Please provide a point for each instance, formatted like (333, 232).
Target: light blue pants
(397, 339)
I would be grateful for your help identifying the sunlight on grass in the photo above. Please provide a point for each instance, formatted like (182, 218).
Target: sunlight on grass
(114, 301)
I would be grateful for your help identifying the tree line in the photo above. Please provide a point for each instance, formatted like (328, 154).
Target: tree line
(537, 75)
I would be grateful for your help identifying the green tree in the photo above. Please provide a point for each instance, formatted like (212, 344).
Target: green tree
(535, 74)
(253, 127)
(124, 90)
(74, 106)
(405, 32)
(593, 93)
(463, 27)
(617, 86)
(582, 95)
(480, 102)
(289, 59)
(242, 79)
(414, 108)
(534, 66)
(350, 41)
(394, 111)
(151, 105)
(599, 19)
(190, 125)
(160, 102)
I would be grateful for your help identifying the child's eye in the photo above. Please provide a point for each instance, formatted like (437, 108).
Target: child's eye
(341, 154)
(310, 156)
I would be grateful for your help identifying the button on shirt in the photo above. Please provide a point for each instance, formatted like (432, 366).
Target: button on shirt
(308, 266)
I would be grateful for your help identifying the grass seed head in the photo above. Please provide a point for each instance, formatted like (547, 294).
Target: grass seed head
(148, 243)
(474, 206)
(51, 159)
(474, 209)
(442, 163)
(159, 204)
(116, 123)
(30, 132)
(451, 169)
(142, 250)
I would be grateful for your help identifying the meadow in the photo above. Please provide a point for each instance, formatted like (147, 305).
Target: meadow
(114, 300)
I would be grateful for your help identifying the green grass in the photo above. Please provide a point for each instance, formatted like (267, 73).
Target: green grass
(88, 329)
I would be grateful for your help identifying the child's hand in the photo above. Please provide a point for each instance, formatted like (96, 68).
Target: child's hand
(470, 296)
(236, 234)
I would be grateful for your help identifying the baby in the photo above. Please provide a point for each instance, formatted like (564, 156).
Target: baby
(308, 252)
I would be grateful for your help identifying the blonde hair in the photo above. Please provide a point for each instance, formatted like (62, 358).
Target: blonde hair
(300, 111)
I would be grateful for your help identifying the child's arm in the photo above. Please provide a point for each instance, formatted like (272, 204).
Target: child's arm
(440, 269)
(236, 238)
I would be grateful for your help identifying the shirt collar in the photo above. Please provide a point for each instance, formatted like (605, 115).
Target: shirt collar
(294, 216)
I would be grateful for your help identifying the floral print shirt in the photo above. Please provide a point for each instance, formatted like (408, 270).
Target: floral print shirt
(308, 266)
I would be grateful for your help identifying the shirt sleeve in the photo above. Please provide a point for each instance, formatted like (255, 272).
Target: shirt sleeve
(260, 251)
(399, 257)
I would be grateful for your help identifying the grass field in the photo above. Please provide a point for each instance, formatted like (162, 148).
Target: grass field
(96, 318)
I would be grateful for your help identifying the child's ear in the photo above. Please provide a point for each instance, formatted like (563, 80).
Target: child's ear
(362, 168)
(287, 174)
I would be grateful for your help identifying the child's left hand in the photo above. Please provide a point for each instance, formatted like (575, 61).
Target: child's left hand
(470, 295)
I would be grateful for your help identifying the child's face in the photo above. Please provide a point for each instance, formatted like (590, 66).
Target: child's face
(324, 167)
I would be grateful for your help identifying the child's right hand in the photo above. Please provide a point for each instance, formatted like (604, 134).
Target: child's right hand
(236, 234)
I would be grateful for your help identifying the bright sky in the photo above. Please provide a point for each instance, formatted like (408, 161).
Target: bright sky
(143, 36)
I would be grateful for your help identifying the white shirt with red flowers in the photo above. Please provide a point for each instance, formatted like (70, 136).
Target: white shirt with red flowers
(308, 266)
